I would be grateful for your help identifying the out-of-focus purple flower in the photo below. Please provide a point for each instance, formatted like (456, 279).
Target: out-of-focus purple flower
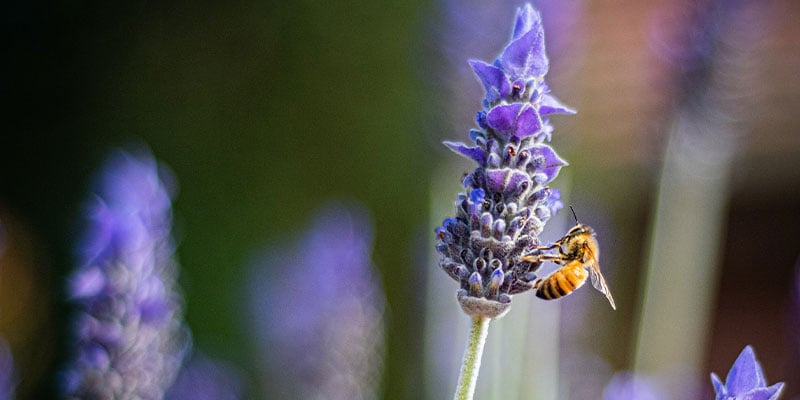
(704, 43)
(7, 383)
(7, 380)
(506, 201)
(794, 308)
(630, 386)
(128, 336)
(317, 307)
(203, 378)
(745, 380)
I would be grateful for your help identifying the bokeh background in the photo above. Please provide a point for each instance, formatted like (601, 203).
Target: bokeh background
(266, 110)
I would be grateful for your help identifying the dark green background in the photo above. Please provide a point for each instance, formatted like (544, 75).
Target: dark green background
(263, 110)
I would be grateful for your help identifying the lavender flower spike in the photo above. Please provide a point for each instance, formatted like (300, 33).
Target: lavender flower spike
(317, 309)
(506, 201)
(745, 380)
(128, 335)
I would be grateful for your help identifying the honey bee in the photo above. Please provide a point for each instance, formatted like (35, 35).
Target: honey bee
(578, 254)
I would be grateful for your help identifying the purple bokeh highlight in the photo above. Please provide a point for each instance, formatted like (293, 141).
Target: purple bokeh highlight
(204, 378)
(316, 309)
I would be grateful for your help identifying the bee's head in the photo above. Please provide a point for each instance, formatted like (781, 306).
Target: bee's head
(581, 229)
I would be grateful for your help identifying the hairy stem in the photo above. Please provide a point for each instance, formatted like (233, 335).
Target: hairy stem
(472, 359)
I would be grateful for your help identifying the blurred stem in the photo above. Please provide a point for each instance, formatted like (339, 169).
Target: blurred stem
(681, 275)
(472, 359)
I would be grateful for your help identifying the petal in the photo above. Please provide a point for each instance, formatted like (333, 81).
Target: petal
(475, 202)
(496, 180)
(746, 374)
(503, 119)
(770, 393)
(516, 179)
(547, 130)
(525, 57)
(527, 18)
(543, 159)
(474, 153)
(448, 225)
(480, 118)
(554, 201)
(551, 105)
(528, 123)
(477, 195)
(493, 79)
(719, 387)
(505, 180)
(475, 134)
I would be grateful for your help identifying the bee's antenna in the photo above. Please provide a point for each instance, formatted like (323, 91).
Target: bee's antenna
(573, 214)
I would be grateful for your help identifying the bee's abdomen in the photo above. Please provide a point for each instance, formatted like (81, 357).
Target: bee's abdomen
(561, 282)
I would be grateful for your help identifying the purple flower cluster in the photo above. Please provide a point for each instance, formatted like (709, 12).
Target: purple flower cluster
(7, 380)
(128, 334)
(317, 310)
(745, 380)
(506, 201)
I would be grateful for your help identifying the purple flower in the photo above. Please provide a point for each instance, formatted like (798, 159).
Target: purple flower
(203, 378)
(7, 380)
(629, 386)
(745, 380)
(128, 336)
(506, 201)
(317, 307)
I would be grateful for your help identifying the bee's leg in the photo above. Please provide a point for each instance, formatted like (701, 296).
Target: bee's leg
(551, 247)
(556, 258)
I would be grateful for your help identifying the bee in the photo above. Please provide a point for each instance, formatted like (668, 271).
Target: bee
(578, 254)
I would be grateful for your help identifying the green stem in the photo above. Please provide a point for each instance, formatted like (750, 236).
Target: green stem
(472, 359)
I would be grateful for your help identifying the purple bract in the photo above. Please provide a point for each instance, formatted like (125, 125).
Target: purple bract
(745, 380)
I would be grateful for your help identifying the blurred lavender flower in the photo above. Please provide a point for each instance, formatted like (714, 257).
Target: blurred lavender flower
(794, 310)
(205, 379)
(128, 335)
(317, 310)
(506, 202)
(7, 381)
(745, 380)
(630, 386)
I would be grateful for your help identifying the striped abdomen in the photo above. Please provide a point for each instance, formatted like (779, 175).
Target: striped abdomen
(561, 282)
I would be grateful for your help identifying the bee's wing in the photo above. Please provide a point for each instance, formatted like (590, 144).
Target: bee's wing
(598, 281)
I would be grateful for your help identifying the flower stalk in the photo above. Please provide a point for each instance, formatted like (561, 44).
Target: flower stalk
(472, 358)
